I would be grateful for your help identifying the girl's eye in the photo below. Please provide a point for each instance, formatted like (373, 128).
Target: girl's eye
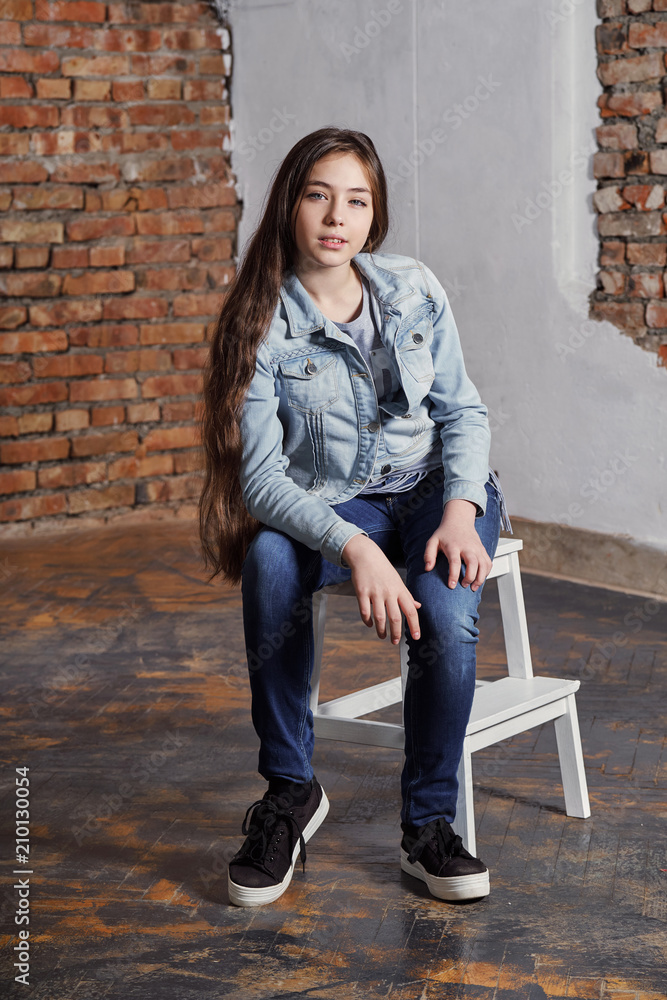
(315, 194)
(358, 201)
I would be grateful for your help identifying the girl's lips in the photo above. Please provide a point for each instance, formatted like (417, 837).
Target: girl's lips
(331, 242)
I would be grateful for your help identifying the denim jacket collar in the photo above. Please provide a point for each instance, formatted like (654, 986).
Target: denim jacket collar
(304, 317)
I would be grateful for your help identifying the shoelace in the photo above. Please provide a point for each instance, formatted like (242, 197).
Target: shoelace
(267, 822)
(448, 843)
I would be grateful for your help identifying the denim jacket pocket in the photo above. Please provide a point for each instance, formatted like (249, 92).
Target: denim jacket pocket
(414, 349)
(311, 383)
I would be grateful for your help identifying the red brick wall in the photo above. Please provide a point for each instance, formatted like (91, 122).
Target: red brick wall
(631, 169)
(117, 235)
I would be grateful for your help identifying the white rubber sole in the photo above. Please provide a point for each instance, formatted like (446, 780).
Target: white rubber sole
(452, 889)
(242, 895)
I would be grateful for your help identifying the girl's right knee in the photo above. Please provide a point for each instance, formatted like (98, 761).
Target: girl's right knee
(270, 553)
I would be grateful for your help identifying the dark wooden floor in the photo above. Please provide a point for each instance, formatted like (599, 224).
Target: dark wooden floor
(124, 692)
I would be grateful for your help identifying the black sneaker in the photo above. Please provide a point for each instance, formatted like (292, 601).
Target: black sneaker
(436, 855)
(280, 825)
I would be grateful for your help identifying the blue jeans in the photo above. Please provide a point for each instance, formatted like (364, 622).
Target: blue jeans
(279, 578)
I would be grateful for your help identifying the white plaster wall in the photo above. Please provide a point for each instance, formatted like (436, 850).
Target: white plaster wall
(578, 411)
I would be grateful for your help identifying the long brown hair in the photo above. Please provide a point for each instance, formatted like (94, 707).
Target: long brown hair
(225, 526)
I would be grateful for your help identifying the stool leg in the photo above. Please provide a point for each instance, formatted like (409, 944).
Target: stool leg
(515, 626)
(570, 755)
(319, 618)
(464, 821)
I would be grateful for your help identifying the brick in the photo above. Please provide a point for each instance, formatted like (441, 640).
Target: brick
(121, 361)
(609, 199)
(202, 90)
(128, 90)
(187, 39)
(16, 10)
(135, 142)
(117, 65)
(32, 199)
(656, 314)
(212, 249)
(86, 173)
(135, 307)
(635, 224)
(68, 366)
(23, 173)
(211, 64)
(54, 90)
(174, 488)
(120, 495)
(106, 416)
(6, 254)
(146, 66)
(137, 468)
(23, 60)
(35, 423)
(611, 282)
(165, 169)
(223, 220)
(12, 316)
(608, 165)
(141, 413)
(171, 385)
(633, 70)
(631, 105)
(155, 13)
(35, 285)
(190, 358)
(15, 144)
(144, 251)
(611, 38)
(647, 286)
(647, 254)
(93, 117)
(215, 195)
(15, 86)
(639, 6)
(218, 114)
(173, 279)
(149, 199)
(66, 311)
(39, 450)
(70, 256)
(171, 333)
(107, 256)
(170, 223)
(32, 257)
(75, 474)
(105, 335)
(178, 411)
(72, 420)
(198, 305)
(9, 426)
(18, 481)
(33, 394)
(76, 10)
(58, 36)
(103, 444)
(33, 507)
(14, 371)
(99, 283)
(160, 115)
(628, 315)
(164, 89)
(163, 439)
(189, 461)
(658, 160)
(645, 197)
(11, 31)
(32, 341)
(91, 90)
(153, 360)
(647, 36)
(95, 229)
(103, 388)
(26, 116)
(617, 136)
(128, 40)
(636, 162)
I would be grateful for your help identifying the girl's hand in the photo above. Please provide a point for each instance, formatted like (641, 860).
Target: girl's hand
(381, 593)
(457, 539)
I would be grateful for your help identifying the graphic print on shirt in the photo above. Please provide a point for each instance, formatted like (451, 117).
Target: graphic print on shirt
(384, 375)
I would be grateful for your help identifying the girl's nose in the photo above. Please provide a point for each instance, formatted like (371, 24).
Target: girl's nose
(334, 215)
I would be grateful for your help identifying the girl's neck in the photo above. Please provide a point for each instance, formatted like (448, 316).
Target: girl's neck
(336, 291)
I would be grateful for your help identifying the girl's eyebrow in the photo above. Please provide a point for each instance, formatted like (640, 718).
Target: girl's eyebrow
(324, 184)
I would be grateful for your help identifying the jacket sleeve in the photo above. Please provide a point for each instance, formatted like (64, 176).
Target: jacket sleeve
(457, 408)
(269, 494)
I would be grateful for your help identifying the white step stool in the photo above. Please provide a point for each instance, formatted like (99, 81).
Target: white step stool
(500, 709)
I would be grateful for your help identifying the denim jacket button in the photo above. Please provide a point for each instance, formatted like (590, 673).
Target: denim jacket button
(311, 368)
(417, 337)
(385, 469)
(373, 426)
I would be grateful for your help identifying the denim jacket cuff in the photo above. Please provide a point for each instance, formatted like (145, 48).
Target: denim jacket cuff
(336, 539)
(461, 489)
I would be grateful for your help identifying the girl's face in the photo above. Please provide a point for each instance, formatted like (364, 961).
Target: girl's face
(333, 215)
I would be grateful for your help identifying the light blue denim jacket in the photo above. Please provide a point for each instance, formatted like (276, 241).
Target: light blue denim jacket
(311, 421)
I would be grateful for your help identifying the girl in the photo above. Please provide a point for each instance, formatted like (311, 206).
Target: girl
(342, 435)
